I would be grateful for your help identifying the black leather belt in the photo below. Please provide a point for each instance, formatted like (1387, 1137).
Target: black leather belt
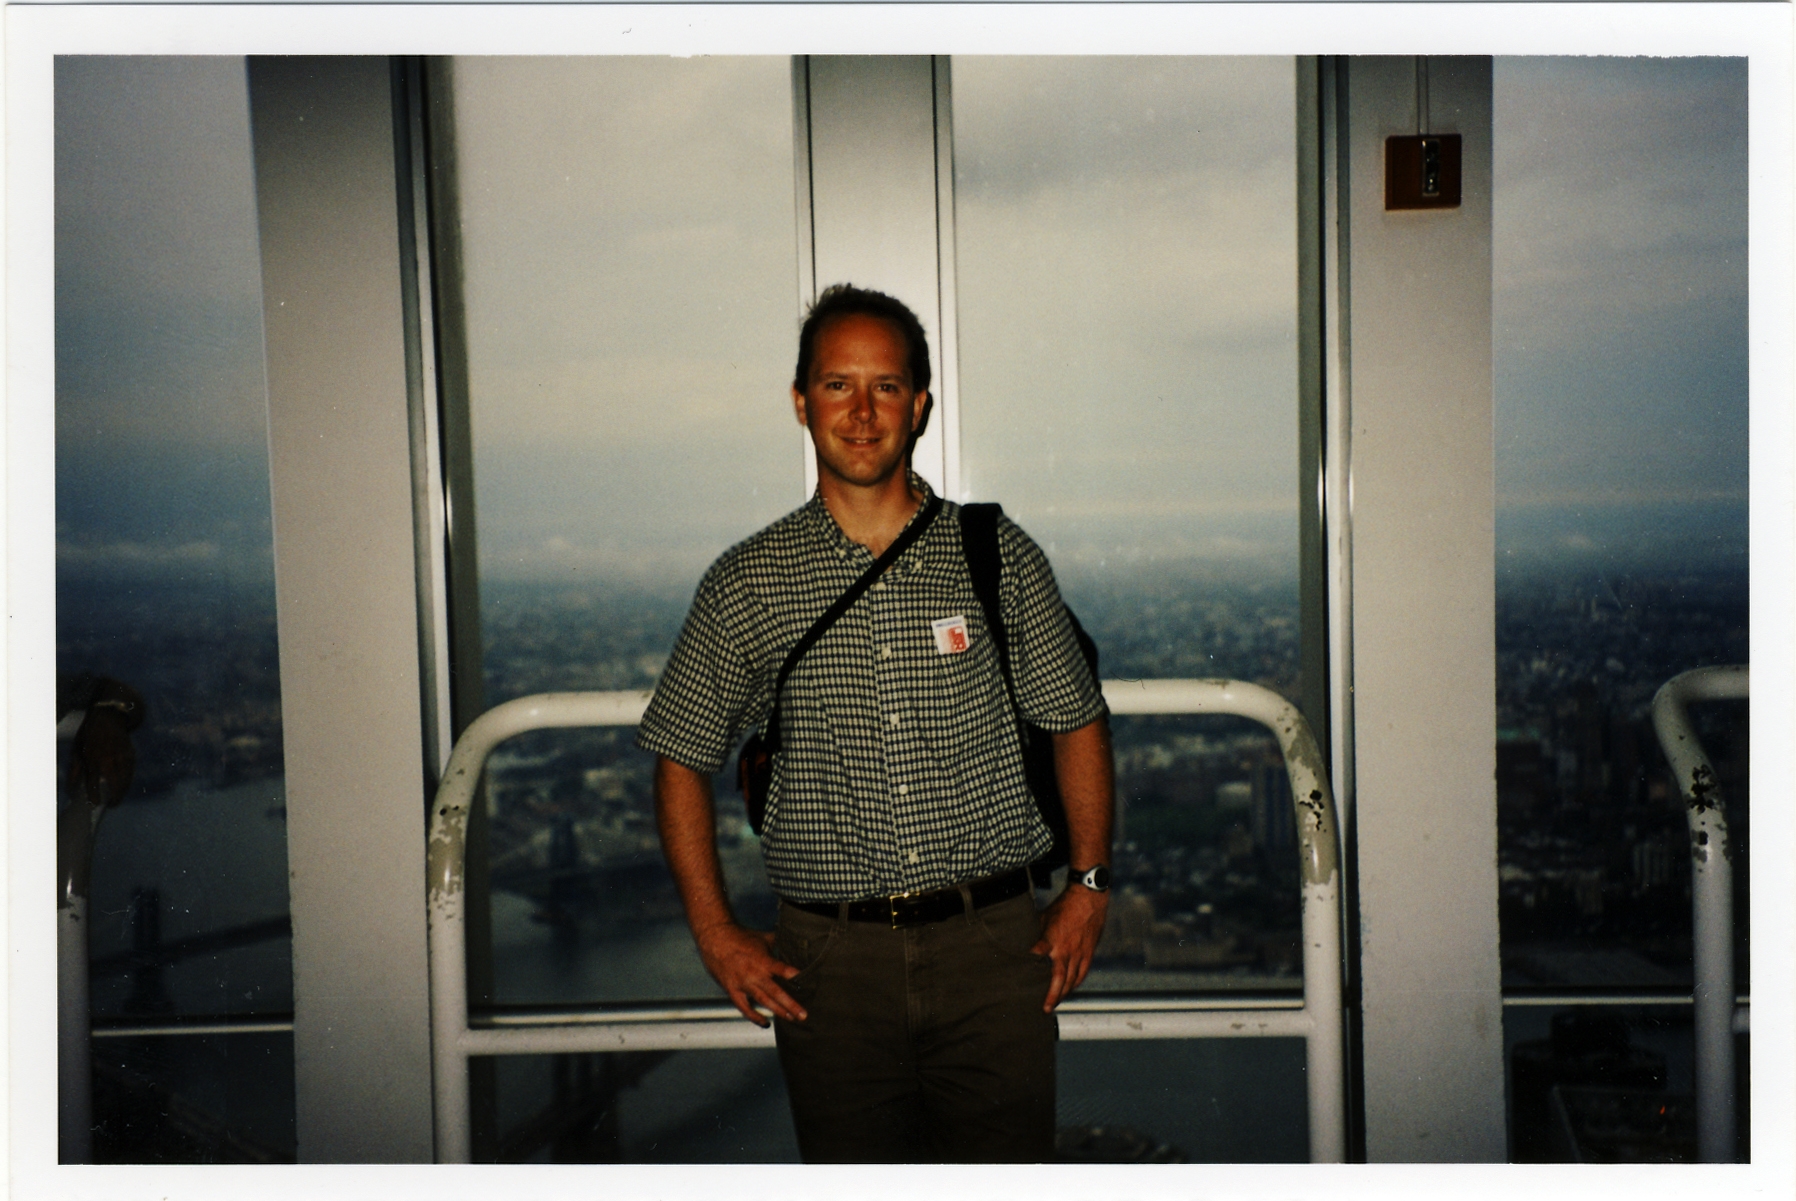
(921, 908)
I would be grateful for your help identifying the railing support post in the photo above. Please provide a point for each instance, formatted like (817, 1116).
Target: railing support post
(1711, 898)
(74, 1050)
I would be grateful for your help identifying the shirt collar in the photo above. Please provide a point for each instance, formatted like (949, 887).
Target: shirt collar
(823, 524)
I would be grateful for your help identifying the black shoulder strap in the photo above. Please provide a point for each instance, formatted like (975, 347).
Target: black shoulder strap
(979, 539)
(900, 544)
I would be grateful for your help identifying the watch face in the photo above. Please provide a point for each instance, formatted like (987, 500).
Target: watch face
(1098, 878)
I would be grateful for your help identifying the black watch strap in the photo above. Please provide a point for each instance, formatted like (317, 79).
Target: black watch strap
(1095, 878)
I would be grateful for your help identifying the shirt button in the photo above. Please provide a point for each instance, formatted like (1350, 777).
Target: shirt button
(913, 857)
(885, 652)
(894, 719)
(880, 587)
(904, 790)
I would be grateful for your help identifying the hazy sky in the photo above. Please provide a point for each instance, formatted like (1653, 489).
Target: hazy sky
(632, 288)
(161, 410)
(1619, 310)
(1127, 251)
(1125, 291)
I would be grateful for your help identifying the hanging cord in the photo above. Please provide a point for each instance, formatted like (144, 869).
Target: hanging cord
(1422, 122)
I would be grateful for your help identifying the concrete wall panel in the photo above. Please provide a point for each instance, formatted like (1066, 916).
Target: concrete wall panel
(346, 592)
(1423, 626)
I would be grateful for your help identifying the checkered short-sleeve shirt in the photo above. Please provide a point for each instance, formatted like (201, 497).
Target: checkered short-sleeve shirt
(901, 767)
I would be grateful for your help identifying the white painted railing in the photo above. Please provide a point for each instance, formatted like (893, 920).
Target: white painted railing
(1317, 1019)
(1712, 900)
(75, 827)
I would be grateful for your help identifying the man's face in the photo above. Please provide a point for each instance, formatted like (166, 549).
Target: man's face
(859, 404)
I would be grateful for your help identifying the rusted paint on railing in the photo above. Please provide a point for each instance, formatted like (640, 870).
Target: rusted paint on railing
(1711, 898)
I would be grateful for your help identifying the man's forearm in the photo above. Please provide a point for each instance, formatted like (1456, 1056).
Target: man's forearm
(685, 815)
(738, 959)
(1075, 921)
(1083, 765)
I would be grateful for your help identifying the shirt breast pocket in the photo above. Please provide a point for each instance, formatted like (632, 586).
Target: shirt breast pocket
(959, 658)
(968, 687)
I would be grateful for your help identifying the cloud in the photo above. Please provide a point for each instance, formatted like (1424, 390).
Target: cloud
(621, 207)
(1620, 192)
(1619, 276)
(158, 269)
(1023, 124)
(137, 554)
(1126, 246)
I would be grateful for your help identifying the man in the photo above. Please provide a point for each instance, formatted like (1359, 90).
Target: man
(911, 980)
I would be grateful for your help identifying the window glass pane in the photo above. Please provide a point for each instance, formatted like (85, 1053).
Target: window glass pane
(1619, 327)
(1126, 244)
(1609, 1084)
(720, 1106)
(1182, 1101)
(629, 232)
(165, 583)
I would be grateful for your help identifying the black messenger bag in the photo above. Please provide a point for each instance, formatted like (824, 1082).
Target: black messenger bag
(754, 766)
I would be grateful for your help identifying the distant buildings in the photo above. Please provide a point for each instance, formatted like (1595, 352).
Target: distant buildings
(1591, 838)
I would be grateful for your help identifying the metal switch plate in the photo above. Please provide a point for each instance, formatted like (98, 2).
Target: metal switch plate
(1421, 172)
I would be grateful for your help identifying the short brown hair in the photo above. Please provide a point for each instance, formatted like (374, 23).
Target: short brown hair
(842, 300)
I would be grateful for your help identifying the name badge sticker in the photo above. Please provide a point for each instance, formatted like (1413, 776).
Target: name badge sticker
(950, 635)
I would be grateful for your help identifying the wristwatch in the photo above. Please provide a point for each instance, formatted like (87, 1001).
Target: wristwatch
(1095, 878)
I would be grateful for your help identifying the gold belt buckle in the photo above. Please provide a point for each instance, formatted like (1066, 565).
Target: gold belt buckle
(892, 906)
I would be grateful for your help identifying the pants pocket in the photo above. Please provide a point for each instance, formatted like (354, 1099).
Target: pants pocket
(803, 940)
(1013, 927)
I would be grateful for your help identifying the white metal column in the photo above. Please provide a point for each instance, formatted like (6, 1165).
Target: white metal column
(346, 596)
(875, 201)
(1422, 612)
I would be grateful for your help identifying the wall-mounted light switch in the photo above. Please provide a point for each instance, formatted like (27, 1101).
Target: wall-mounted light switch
(1422, 172)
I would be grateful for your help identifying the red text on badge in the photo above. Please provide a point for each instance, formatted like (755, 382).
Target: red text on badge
(950, 635)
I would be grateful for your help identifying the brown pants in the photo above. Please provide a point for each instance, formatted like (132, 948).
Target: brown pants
(925, 1044)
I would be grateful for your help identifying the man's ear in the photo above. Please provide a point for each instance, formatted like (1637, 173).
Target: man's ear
(923, 406)
(798, 406)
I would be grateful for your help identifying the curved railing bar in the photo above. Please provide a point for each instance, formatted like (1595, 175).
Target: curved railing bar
(1319, 851)
(1712, 898)
(451, 1040)
(1318, 1021)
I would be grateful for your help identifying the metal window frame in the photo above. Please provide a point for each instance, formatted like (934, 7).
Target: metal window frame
(1321, 464)
(1317, 1019)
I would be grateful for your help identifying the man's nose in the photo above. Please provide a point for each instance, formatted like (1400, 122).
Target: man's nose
(862, 408)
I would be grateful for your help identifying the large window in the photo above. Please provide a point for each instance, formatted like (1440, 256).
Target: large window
(165, 583)
(629, 233)
(630, 279)
(1126, 244)
(1621, 354)
(1126, 239)
(630, 337)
